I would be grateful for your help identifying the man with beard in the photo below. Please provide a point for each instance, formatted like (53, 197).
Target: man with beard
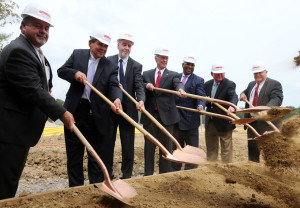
(90, 111)
(25, 100)
(130, 78)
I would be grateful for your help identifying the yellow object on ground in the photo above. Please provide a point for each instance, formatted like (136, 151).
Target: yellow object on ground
(60, 130)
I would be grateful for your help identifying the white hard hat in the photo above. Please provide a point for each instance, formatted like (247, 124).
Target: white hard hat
(37, 11)
(126, 36)
(102, 36)
(258, 67)
(218, 68)
(161, 51)
(189, 58)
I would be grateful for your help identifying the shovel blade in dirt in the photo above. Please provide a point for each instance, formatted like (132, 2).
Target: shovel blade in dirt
(124, 191)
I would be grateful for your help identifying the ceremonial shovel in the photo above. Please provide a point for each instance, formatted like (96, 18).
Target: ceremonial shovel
(118, 189)
(177, 156)
(188, 148)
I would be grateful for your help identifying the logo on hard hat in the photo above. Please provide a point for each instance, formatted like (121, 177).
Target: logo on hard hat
(165, 50)
(256, 67)
(106, 36)
(45, 13)
(191, 57)
(219, 67)
(128, 35)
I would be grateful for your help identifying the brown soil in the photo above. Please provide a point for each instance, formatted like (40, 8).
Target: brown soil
(275, 113)
(239, 184)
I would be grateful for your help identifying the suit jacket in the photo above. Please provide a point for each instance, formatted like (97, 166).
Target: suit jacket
(165, 101)
(194, 85)
(225, 91)
(270, 95)
(105, 80)
(25, 102)
(134, 83)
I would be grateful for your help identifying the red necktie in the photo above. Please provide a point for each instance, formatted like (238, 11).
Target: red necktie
(255, 96)
(157, 83)
(158, 79)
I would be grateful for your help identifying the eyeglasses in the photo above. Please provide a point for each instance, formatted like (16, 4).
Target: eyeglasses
(163, 57)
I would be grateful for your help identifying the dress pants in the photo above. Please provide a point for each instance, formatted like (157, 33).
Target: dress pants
(212, 138)
(12, 162)
(185, 137)
(149, 149)
(127, 142)
(75, 149)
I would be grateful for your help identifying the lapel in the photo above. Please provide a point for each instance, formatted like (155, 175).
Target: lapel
(152, 76)
(189, 82)
(250, 88)
(263, 90)
(99, 70)
(219, 88)
(85, 61)
(35, 55)
(163, 78)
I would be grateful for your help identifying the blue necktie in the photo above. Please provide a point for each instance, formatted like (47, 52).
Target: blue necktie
(123, 80)
(90, 76)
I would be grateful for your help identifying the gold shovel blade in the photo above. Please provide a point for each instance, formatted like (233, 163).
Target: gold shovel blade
(123, 191)
(194, 151)
(183, 157)
(243, 120)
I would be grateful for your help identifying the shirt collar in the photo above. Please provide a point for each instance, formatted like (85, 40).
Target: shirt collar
(125, 60)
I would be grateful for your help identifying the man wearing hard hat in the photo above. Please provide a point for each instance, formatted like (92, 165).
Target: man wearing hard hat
(263, 91)
(25, 100)
(218, 130)
(186, 131)
(90, 111)
(130, 76)
(162, 107)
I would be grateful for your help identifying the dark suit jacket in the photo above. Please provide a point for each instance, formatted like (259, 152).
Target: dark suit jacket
(165, 101)
(270, 95)
(105, 80)
(194, 85)
(25, 102)
(134, 83)
(225, 91)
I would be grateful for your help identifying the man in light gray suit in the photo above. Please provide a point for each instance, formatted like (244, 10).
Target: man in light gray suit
(261, 92)
(130, 76)
(161, 106)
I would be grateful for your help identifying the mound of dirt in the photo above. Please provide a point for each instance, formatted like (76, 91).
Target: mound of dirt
(275, 113)
(215, 185)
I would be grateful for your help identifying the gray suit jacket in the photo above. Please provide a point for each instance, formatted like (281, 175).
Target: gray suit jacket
(25, 102)
(270, 95)
(134, 82)
(165, 101)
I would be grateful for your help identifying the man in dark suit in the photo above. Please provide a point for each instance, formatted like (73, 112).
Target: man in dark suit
(130, 76)
(218, 129)
(90, 111)
(263, 92)
(161, 106)
(25, 100)
(186, 131)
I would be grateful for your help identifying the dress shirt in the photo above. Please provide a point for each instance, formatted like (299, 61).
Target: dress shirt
(156, 73)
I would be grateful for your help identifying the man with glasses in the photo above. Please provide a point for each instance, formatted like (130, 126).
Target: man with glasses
(161, 106)
(186, 131)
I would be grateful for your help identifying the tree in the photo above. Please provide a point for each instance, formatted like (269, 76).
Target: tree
(7, 16)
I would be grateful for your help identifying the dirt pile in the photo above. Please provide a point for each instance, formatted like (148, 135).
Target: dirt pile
(280, 149)
(275, 113)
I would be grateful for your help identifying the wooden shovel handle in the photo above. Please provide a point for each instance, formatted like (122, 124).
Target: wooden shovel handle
(199, 97)
(130, 120)
(154, 120)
